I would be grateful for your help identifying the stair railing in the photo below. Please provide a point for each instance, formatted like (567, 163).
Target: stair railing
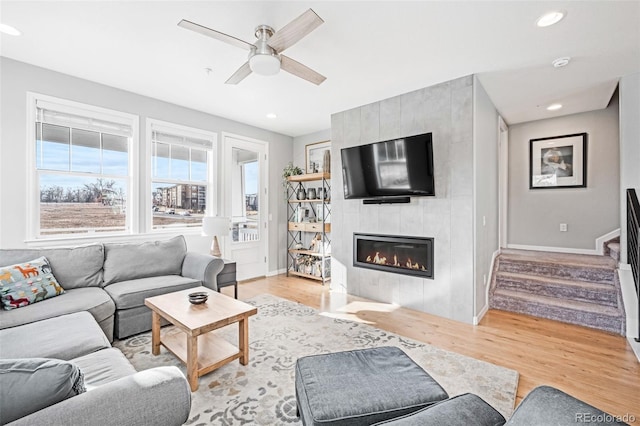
(633, 243)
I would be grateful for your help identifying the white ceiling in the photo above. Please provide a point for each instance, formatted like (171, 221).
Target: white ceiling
(368, 50)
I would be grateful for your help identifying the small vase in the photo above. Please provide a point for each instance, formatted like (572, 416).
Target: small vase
(326, 162)
(312, 194)
(302, 194)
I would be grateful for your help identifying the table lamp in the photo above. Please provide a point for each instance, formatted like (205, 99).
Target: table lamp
(212, 226)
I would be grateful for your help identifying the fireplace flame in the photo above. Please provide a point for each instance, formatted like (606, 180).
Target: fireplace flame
(377, 259)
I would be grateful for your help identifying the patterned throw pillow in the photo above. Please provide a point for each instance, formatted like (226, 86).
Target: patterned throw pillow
(25, 283)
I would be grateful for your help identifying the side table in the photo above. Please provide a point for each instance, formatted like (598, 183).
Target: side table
(227, 277)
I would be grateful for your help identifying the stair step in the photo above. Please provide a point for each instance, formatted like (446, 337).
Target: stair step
(594, 273)
(614, 251)
(588, 292)
(574, 312)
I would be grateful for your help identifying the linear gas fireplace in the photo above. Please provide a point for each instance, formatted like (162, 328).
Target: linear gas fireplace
(398, 254)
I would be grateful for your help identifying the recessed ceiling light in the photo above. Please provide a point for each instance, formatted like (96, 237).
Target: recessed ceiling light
(272, 115)
(550, 18)
(9, 30)
(561, 62)
(554, 107)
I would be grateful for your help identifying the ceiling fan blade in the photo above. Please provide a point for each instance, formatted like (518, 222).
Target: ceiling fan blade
(240, 74)
(299, 70)
(215, 34)
(291, 33)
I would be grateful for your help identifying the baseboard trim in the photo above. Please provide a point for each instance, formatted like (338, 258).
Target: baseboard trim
(554, 249)
(597, 251)
(276, 272)
(478, 318)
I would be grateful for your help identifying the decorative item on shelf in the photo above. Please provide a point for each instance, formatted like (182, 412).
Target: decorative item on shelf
(316, 243)
(326, 162)
(311, 194)
(289, 170)
(302, 194)
(212, 226)
(298, 246)
(198, 297)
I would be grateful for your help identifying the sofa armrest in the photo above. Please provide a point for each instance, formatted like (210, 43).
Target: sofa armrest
(546, 405)
(159, 396)
(203, 267)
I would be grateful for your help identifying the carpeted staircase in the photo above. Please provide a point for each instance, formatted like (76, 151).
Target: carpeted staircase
(578, 289)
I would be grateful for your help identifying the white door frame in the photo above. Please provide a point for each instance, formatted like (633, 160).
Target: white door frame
(503, 181)
(225, 187)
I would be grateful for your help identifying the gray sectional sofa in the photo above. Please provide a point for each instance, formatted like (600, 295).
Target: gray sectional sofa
(57, 365)
(63, 371)
(111, 281)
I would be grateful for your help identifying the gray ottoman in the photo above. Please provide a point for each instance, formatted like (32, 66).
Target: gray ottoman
(362, 387)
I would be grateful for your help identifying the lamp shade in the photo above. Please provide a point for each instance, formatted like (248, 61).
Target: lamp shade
(215, 226)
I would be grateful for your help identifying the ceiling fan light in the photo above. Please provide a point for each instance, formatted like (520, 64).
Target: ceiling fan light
(264, 64)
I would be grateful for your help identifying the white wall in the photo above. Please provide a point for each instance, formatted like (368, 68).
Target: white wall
(534, 216)
(629, 148)
(485, 192)
(17, 78)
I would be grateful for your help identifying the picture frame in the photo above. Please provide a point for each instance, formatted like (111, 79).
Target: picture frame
(558, 162)
(314, 156)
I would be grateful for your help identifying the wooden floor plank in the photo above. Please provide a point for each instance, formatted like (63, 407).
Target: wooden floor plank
(595, 366)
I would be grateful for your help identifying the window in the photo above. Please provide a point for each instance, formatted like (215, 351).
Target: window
(182, 162)
(82, 157)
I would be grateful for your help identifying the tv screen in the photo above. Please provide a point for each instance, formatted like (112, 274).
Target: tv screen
(398, 167)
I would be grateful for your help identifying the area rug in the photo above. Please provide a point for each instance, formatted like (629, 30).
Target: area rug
(262, 392)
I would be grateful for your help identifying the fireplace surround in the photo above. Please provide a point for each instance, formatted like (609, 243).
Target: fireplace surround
(394, 253)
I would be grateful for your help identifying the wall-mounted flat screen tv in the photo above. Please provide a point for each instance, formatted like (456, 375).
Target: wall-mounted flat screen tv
(399, 167)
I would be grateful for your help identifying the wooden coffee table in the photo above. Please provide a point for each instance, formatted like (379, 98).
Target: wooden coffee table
(200, 350)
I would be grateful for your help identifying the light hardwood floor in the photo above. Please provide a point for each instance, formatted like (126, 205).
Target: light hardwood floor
(597, 367)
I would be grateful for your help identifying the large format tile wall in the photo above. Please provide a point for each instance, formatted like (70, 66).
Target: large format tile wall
(446, 110)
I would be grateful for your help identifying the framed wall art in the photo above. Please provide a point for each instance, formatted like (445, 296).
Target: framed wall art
(318, 157)
(558, 162)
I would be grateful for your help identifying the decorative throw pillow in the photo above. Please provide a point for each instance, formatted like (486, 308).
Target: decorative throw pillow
(25, 283)
(31, 384)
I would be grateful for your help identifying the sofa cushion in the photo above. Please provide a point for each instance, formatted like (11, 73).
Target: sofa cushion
(125, 262)
(64, 337)
(23, 284)
(92, 299)
(103, 366)
(461, 410)
(131, 294)
(31, 384)
(73, 267)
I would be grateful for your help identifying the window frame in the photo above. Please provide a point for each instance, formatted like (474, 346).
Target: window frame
(92, 112)
(211, 208)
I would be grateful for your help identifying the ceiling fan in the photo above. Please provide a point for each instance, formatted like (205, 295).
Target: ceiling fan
(265, 55)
